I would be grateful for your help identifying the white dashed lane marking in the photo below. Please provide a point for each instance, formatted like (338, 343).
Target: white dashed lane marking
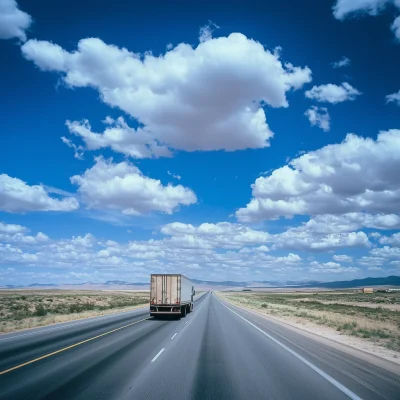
(158, 355)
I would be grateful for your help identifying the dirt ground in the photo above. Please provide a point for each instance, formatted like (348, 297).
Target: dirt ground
(394, 307)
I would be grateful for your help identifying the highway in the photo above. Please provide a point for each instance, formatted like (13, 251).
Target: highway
(217, 352)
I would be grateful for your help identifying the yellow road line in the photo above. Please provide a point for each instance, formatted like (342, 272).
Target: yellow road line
(69, 347)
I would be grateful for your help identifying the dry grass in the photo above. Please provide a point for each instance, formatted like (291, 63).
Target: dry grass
(29, 309)
(350, 315)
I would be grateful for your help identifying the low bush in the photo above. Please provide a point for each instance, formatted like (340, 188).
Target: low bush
(40, 311)
(347, 326)
(77, 307)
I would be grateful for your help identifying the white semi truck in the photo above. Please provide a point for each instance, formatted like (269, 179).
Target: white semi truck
(171, 294)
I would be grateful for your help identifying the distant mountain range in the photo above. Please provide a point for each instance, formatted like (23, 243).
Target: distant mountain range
(388, 281)
(206, 285)
(384, 281)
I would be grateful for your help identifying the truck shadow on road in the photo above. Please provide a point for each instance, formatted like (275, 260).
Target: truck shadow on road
(165, 318)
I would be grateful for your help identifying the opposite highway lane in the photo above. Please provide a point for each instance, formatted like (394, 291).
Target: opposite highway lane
(214, 353)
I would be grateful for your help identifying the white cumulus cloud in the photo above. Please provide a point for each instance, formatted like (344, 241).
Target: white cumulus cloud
(342, 258)
(301, 239)
(344, 62)
(119, 137)
(386, 252)
(347, 8)
(78, 150)
(331, 93)
(394, 97)
(348, 222)
(206, 31)
(11, 228)
(375, 235)
(222, 234)
(330, 268)
(174, 176)
(13, 21)
(123, 187)
(319, 116)
(12, 233)
(212, 250)
(210, 97)
(21, 238)
(229, 235)
(358, 175)
(18, 197)
(396, 27)
(393, 240)
(344, 8)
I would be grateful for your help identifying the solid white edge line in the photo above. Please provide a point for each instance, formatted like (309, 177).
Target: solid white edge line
(319, 371)
(174, 335)
(186, 322)
(158, 355)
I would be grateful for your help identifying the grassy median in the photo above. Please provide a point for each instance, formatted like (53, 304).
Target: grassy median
(374, 317)
(28, 309)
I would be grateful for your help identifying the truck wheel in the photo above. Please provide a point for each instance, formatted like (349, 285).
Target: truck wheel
(183, 312)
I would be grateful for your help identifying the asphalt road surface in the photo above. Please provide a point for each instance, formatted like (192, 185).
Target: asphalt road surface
(216, 352)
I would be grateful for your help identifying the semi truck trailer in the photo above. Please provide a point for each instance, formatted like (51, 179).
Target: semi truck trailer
(171, 294)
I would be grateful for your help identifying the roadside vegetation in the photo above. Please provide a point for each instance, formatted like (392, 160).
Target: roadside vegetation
(28, 309)
(374, 317)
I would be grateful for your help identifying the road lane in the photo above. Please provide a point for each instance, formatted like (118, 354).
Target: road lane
(368, 380)
(211, 354)
(220, 356)
(18, 349)
(96, 368)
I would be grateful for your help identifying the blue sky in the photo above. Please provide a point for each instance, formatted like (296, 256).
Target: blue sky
(241, 142)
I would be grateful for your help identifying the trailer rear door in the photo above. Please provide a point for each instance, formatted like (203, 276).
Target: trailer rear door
(165, 289)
